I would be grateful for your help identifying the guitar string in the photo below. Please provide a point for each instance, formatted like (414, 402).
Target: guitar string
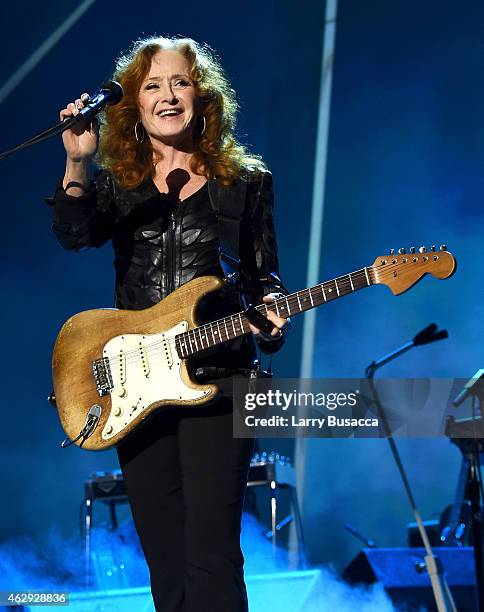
(134, 354)
(213, 325)
(292, 299)
(157, 348)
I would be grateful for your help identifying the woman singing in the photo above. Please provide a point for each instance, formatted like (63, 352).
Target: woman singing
(171, 182)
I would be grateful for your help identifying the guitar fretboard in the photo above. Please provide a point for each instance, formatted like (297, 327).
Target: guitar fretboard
(211, 334)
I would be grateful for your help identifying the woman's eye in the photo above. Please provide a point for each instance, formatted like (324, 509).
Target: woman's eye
(182, 83)
(151, 86)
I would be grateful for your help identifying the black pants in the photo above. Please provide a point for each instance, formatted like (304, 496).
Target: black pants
(186, 478)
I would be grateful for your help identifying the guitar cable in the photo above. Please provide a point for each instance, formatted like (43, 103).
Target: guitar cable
(92, 420)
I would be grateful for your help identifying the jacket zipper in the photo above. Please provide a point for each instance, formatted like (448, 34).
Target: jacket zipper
(172, 252)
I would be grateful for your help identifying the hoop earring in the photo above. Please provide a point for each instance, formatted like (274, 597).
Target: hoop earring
(202, 131)
(136, 131)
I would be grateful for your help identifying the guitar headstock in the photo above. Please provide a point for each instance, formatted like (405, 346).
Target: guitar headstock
(402, 270)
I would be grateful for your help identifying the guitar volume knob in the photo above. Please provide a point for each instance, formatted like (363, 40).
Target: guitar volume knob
(422, 249)
(402, 251)
(443, 247)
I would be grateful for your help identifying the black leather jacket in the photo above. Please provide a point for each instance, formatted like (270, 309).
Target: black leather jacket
(159, 247)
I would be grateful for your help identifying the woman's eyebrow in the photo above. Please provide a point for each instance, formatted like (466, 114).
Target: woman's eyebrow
(159, 78)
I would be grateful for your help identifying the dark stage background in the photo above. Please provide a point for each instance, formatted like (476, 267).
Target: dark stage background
(405, 166)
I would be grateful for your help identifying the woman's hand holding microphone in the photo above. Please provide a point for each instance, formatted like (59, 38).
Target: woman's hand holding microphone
(80, 143)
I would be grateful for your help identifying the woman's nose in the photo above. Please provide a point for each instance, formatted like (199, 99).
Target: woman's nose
(168, 94)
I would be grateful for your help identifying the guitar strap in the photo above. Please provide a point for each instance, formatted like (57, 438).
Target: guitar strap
(228, 204)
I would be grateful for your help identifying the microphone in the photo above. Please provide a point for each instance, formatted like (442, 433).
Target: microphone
(110, 93)
(429, 334)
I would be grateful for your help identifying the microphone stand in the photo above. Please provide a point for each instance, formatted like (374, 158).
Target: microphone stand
(473, 455)
(442, 594)
(111, 93)
(58, 128)
(472, 449)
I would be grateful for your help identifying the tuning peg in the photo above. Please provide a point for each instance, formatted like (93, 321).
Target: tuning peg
(422, 249)
(432, 248)
(412, 249)
(402, 251)
(443, 247)
(392, 251)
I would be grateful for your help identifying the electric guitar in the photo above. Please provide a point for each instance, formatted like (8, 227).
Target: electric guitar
(113, 368)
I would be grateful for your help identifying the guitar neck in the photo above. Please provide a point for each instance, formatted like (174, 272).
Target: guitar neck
(212, 334)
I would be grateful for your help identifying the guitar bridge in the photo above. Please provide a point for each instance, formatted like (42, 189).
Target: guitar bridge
(102, 376)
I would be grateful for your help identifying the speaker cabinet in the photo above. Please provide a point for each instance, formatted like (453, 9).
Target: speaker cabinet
(406, 581)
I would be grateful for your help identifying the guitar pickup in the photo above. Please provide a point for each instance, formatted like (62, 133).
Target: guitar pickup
(144, 359)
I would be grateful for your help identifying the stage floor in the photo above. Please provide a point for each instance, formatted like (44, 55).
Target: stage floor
(282, 591)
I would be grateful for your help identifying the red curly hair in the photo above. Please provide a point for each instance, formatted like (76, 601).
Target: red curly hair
(217, 152)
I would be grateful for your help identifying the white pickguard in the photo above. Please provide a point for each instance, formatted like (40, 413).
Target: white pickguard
(144, 369)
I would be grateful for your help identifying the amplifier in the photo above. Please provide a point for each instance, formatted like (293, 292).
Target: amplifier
(105, 485)
(399, 571)
(264, 467)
